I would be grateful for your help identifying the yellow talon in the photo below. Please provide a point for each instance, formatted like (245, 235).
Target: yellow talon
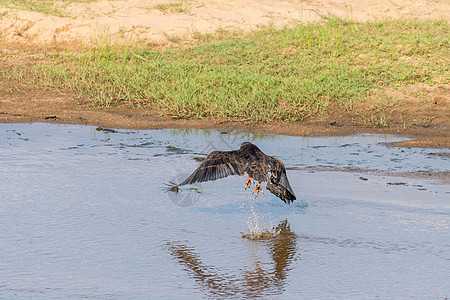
(258, 189)
(249, 182)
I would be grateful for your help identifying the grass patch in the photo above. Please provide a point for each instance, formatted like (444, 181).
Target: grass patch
(171, 8)
(269, 74)
(49, 7)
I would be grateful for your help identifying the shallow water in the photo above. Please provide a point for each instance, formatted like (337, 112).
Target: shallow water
(85, 215)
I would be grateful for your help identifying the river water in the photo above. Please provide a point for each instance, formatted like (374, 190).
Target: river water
(85, 214)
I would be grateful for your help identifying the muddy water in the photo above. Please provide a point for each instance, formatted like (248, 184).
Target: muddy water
(84, 214)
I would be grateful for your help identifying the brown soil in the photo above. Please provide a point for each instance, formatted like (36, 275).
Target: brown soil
(419, 111)
(424, 120)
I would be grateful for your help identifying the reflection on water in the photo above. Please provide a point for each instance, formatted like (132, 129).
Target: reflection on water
(256, 280)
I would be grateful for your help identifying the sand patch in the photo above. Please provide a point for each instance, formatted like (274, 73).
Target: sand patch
(152, 21)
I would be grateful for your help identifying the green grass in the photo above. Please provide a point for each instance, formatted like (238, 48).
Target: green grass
(49, 7)
(171, 8)
(268, 74)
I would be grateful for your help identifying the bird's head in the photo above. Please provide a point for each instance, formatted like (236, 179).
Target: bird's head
(246, 145)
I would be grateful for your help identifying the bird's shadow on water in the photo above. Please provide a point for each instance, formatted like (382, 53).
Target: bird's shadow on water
(255, 280)
(273, 207)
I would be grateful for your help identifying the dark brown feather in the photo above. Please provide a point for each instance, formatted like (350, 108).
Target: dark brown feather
(218, 164)
(248, 159)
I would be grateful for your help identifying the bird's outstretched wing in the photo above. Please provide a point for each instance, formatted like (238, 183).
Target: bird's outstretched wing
(218, 164)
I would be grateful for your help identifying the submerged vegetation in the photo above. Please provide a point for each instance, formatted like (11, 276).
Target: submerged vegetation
(268, 74)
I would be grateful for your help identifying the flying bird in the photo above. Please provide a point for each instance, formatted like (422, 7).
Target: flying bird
(248, 159)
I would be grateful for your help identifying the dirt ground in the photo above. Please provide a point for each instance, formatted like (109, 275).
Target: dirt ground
(423, 115)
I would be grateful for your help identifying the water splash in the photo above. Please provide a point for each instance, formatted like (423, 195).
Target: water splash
(257, 229)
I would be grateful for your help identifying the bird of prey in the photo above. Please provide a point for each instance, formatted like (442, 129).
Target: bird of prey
(248, 159)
